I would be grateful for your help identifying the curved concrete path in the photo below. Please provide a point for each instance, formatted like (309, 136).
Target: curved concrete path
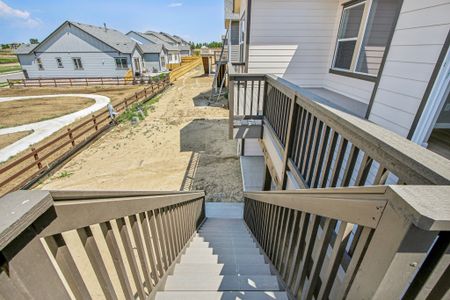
(43, 129)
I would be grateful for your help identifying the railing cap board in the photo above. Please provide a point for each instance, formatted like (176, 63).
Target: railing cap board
(59, 195)
(396, 153)
(19, 210)
(427, 207)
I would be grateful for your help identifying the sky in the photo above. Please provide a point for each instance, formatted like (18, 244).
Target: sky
(194, 20)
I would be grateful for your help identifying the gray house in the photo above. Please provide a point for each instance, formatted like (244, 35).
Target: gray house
(154, 57)
(80, 50)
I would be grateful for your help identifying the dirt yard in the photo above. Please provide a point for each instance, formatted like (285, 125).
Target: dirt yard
(35, 110)
(181, 145)
(7, 139)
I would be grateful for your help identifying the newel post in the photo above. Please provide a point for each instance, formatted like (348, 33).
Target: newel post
(293, 112)
(407, 230)
(231, 108)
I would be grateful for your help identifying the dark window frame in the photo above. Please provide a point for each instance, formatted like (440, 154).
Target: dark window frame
(59, 63)
(120, 66)
(77, 66)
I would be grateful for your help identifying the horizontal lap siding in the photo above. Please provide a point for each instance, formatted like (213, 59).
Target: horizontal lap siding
(292, 39)
(419, 36)
(97, 58)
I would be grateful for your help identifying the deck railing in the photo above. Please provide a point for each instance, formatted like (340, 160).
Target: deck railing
(93, 245)
(356, 243)
(324, 147)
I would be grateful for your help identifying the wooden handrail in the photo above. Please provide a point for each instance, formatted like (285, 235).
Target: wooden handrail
(118, 244)
(385, 240)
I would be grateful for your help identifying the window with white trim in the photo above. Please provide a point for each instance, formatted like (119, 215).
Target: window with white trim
(363, 35)
(77, 63)
(59, 62)
(40, 65)
(121, 63)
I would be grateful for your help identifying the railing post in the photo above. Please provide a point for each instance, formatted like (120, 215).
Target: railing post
(397, 248)
(293, 109)
(72, 141)
(94, 120)
(231, 108)
(36, 158)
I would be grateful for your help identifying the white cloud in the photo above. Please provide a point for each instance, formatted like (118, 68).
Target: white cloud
(175, 4)
(24, 17)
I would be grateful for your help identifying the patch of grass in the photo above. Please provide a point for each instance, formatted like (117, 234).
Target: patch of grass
(8, 60)
(6, 69)
(64, 174)
(139, 110)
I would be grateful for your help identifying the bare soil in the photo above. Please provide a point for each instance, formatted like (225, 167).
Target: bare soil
(19, 112)
(181, 145)
(7, 139)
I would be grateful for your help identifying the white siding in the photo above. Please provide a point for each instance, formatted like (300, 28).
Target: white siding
(418, 39)
(97, 58)
(292, 39)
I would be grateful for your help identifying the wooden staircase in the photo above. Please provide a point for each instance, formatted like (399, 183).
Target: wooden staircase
(222, 262)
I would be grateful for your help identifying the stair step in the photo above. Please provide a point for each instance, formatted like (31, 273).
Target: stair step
(223, 239)
(208, 282)
(196, 295)
(226, 258)
(223, 251)
(221, 245)
(223, 269)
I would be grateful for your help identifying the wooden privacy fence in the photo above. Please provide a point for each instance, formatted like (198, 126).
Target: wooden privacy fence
(185, 68)
(321, 146)
(359, 243)
(89, 81)
(91, 245)
(39, 160)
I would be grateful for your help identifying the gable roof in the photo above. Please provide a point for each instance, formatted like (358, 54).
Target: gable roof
(25, 48)
(183, 41)
(161, 36)
(152, 38)
(151, 48)
(111, 37)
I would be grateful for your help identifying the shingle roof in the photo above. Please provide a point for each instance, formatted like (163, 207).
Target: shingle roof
(152, 38)
(25, 48)
(151, 48)
(109, 36)
(183, 41)
(160, 36)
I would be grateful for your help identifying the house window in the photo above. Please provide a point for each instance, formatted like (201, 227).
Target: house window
(121, 63)
(348, 35)
(163, 62)
(39, 63)
(77, 63)
(363, 35)
(59, 62)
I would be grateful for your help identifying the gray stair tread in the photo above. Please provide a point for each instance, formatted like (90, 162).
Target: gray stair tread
(207, 295)
(221, 245)
(223, 269)
(223, 251)
(227, 258)
(208, 282)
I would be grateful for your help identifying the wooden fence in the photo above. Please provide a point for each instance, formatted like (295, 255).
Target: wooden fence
(185, 68)
(56, 82)
(38, 161)
(93, 245)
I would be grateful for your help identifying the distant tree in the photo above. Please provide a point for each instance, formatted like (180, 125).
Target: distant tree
(34, 41)
(5, 46)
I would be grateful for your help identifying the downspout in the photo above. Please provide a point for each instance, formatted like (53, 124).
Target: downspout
(247, 35)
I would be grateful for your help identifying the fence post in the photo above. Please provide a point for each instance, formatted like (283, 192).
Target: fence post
(94, 119)
(40, 84)
(87, 84)
(72, 141)
(36, 158)
(9, 83)
(117, 78)
(101, 78)
(54, 81)
(136, 96)
(70, 80)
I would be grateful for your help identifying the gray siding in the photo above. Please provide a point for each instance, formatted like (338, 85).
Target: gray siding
(138, 38)
(152, 63)
(69, 42)
(418, 39)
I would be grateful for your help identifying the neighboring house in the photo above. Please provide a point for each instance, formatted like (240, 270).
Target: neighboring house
(184, 46)
(80, 50)
(234, 23)
(154, 57)
(382, 60)
(173, 54)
